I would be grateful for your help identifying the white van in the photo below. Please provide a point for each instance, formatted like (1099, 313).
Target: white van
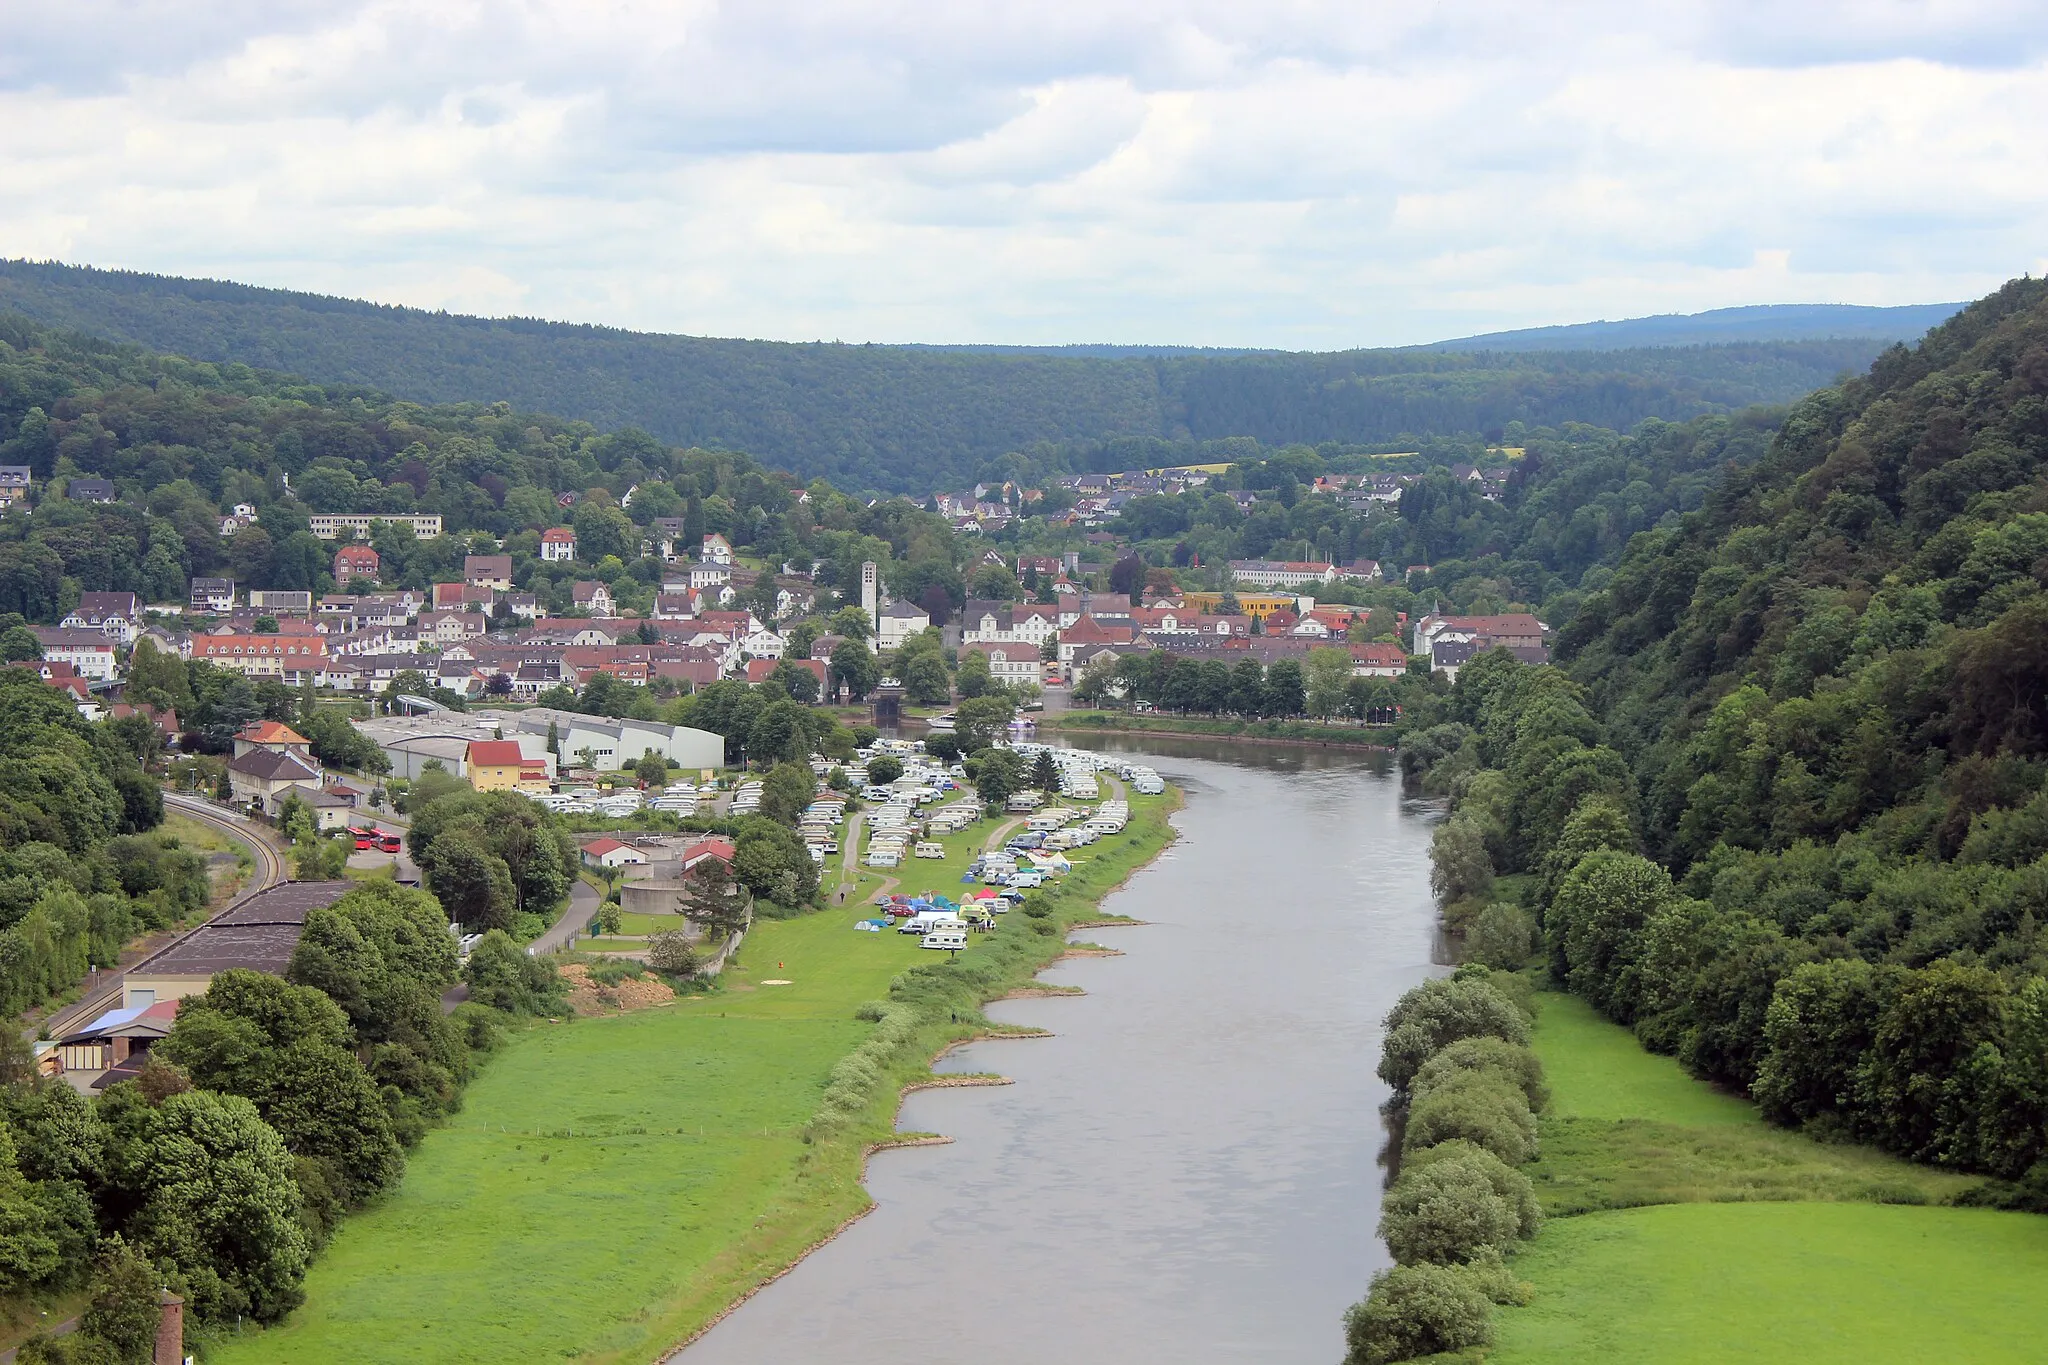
(924, 921)
(952, 940)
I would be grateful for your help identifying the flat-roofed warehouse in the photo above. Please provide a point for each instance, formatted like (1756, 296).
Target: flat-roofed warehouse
(259, 932)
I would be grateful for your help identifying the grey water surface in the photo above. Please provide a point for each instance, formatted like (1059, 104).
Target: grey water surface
(1188, 1171)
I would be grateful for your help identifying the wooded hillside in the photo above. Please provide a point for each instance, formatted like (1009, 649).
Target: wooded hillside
(1819, 705)
(904, 418)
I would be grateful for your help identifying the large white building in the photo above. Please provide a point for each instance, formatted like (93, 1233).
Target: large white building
(612, 744)
(898, 622)
(1281, 573)
(330, 526)
(89, 652)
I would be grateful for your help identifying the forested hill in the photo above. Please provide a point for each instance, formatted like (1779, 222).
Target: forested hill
(904, 418)
(1764, 322)
(1819, 705)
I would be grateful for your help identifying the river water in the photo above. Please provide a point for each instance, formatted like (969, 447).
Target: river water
(1188, 1170)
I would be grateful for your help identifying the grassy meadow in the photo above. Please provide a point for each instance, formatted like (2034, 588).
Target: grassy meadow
(612, 1184)
(1684, 1229)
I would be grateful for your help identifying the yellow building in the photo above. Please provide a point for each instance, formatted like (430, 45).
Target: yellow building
(494, 765)
(1258, 604)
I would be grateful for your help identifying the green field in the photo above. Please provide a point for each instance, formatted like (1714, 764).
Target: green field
(1703, 1235)
(1700, 1284)
(1598, 1070)
(611, 1184)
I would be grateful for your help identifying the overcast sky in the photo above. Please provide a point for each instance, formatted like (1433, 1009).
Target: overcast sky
(1284, 173)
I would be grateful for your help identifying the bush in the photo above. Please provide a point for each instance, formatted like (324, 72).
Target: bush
(503, 976)
(1446, 1213)
(1416, 1310)
(1440, 1012)
(1479, 1108)
(1514, 1188)
(1502, 937)
(670, 953)
(1515, 1065)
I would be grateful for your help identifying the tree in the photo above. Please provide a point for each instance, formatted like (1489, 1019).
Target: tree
(973, 678)
(473, 885)
(1127, 576)
(998, 775)
(124, 1311)
(980, 721)
(1416, 1310)
(1329, 673)
(1099, 681)
(19, 643)
(795, 681)
(1045, 774)
(651, 768)
(218, 1200)
(770, 861)
(924, 679)
(944, 747)
(786, 792)
(851, 622)
(503, 976)
(670, 953)
(713, 900)
(854, 668)
(1285, 694)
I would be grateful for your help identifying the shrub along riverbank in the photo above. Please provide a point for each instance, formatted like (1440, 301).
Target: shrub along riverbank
(615, 1185)
(1263, 731)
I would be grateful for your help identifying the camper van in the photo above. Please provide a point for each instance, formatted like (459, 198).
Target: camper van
(952, 940)
(927, 849)
(925, 921)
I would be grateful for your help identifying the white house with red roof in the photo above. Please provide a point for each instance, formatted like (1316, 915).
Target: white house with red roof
(557, 544)
(608, 852)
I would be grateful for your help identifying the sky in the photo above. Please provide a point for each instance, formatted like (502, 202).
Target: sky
(1273, 173)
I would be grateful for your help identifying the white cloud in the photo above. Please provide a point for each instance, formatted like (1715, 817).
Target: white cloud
(1293, 173)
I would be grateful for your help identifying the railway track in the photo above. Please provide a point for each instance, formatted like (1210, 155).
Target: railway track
(270, 870)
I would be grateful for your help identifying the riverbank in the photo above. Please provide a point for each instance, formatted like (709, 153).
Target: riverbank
(1686, 1229)
(1297, 733)
(616, 1185)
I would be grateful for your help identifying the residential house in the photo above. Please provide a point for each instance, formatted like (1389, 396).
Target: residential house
(89, 652)
(1012, 665)
(898, 622)
(710, 574)
(265, 777)
(15, 482)
(593, 597)
(523, 605)
(1378, 659)
(91, 490)
(989, 622)
(608, 852)
(1514, 629)
(1087, 632)
(716, 549)
(116, 615)
(213, 596)
(488, 571)
(452, 627)
(759, 668)
(291, 659)
(557, 544)
(275, 736)
(355, 563)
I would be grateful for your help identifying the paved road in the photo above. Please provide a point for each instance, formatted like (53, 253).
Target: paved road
(583, 903)
(269, 868)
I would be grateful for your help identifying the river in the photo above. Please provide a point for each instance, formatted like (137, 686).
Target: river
(1188, 1170)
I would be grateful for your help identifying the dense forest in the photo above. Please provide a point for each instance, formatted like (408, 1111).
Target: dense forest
(905, 418)
(1787, 813)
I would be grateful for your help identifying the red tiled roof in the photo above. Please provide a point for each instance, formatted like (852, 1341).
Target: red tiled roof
(495, 753)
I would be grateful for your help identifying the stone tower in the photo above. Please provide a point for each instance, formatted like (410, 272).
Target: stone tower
(170, 1330)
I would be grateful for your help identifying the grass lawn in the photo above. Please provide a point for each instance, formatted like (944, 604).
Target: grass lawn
(1597, 1070)
(599, 1170)
(1702, 1234)
(1699, 1284)
(611, 1184)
